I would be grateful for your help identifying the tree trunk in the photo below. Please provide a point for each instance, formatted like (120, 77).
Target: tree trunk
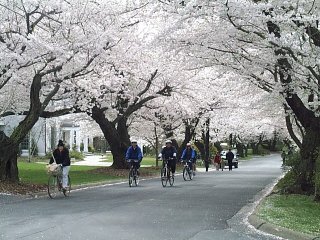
(156, 145)
(188, 134)
(317, 178)
(307, 166)
(245, 150)
(218, 146)
(117, 145)
(8, 159)
(9, 146)
(255, 148)
(201, 148)
(122, 129)
(207, 145)
(240, 149)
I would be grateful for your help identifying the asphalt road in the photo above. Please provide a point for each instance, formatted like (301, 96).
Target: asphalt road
(200, 209)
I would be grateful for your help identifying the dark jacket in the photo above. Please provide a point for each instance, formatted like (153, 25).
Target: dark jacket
(169, 152)
(61, 157)
(229, 156)
(134, 154)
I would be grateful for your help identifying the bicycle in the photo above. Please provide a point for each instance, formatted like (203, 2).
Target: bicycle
(166, 174)
(55, 184)
(187, 171)
(133, 172)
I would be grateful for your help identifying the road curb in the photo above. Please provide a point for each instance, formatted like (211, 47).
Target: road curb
(273, 229)
(246, 220)
(270, 228)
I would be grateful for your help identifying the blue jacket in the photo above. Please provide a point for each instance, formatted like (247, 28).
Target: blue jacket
(134, 153)
(187, 155)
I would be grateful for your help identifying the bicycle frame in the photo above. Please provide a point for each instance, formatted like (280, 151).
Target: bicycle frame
(165, 173)
(133, 172)
(187, 170)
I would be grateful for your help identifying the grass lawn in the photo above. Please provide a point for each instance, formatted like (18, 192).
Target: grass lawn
(297, 212)
(36, 173)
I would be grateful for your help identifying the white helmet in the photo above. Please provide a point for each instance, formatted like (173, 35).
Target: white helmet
(188, 144)
(169, 141)
(134, 141)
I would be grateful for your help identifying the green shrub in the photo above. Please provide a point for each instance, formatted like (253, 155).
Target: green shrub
(293, 160)
(48, 155)
(288, 183)
(34, 147)
(81, 147)
(91, 149)
(76, 155)
(262, 151)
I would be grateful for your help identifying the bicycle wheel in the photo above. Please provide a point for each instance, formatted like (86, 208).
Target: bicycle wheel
(53, 187)
(66, 193)
(171, 178)
(130, 177)
(164, 178)
(185, 174)
(136, 178)
(190, 172)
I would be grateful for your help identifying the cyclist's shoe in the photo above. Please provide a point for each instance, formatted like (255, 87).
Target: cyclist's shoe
(64, 190)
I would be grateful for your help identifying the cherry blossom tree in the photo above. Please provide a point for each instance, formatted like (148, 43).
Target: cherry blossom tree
(274, 44)
(44, 47)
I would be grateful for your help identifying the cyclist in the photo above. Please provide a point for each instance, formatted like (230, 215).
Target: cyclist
(61, 156)
(169, 153)
(189, 154)
(134, 153)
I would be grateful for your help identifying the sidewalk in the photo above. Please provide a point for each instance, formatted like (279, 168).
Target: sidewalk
(94, 161)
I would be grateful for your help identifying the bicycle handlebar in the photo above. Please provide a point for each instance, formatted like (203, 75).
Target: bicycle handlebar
(132, 160)
(168, 159)
(189, 160)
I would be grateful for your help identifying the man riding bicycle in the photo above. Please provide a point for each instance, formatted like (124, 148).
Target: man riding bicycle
(189, 155)
(169, 153)
(134, 153)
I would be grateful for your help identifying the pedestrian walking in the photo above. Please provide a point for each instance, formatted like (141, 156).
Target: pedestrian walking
(283, 156)
(217, 161)
(230, 157)
(222, 164)
(206, 164)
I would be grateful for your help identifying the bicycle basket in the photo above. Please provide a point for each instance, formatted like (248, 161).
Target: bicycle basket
(54, 169)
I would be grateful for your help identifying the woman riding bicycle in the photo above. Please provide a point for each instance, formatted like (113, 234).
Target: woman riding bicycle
(61, 156)
(189, 155)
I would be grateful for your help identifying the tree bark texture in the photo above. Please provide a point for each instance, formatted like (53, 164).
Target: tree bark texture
(9, 146)
(317, 178)
(8, 159)
(116, 136)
